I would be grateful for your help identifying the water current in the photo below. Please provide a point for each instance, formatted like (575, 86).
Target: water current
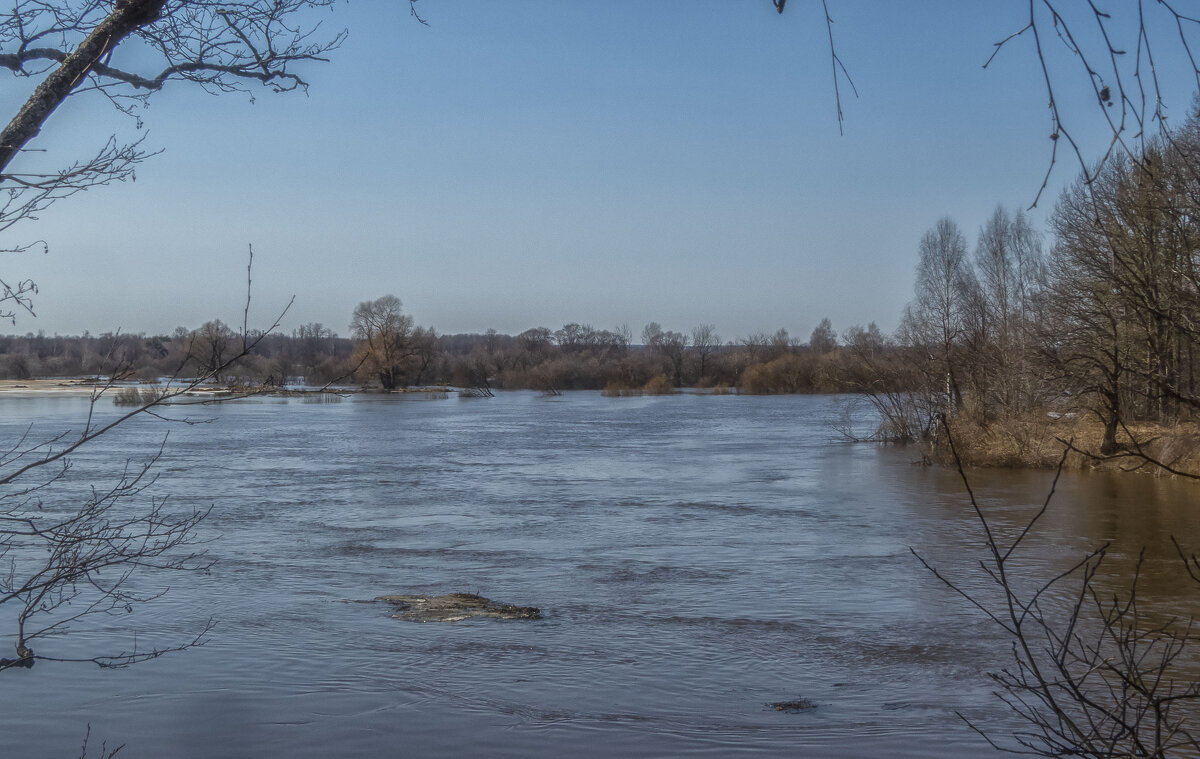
(695, 558)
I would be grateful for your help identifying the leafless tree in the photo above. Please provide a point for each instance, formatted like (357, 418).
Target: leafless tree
(425, 349)
(938, 320)
(210, 347)
(823, 339)
(315, 343)
(473, 373)
(669, 345)
(385, 335)
(66, 561)
(705, 342)
(1008, 265)
(1084, 338)
(885, 375)
(758, 347)
(1123, 287)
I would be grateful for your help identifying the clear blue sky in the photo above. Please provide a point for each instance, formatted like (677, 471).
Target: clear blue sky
(518, 164)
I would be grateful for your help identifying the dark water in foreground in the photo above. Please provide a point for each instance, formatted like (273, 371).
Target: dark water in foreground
(695, 558)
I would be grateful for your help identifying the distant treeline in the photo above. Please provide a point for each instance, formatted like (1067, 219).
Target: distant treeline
(1101, 326)
(390, 352)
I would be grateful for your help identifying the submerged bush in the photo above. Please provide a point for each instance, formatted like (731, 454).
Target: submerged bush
(321, 397)
(660, 385)
(620, 390)
(137, 396)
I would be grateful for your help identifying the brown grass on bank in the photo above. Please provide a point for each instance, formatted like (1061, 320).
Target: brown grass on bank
(1036, 440)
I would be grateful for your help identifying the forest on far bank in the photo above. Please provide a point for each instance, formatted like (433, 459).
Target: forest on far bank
(388, 351)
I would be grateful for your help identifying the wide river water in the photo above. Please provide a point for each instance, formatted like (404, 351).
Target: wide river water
(695, 558)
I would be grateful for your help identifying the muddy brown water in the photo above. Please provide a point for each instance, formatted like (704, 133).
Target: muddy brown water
(695, 560)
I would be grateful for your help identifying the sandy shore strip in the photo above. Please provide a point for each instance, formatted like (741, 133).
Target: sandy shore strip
(77, 386)
(81, 387)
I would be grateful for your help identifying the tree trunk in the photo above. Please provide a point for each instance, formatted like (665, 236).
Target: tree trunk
(1109, 445)
(127, 17)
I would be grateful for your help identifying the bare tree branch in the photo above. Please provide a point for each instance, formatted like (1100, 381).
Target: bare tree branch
(1091, 674)
(66, 560)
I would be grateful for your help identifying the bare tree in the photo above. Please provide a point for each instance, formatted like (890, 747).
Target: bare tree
(385, 335)
(316, 343)
(937, 321)
(65, 561)
(425, 349)
(669, 345)
(823, 339)
(705, 342)
(210, 348)
(885, 376)
(1123, 289)
(1083, 340)
(1008, 263)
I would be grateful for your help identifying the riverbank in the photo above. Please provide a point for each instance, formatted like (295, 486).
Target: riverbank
(86, 386)
(1038, 441)
(43, 387)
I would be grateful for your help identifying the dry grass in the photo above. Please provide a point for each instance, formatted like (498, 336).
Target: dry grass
(660, 385)
(1037, 440)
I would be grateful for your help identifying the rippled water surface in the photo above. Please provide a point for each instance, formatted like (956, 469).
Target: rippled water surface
(695, 558)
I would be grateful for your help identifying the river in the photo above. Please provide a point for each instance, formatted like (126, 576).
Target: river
(695, 558)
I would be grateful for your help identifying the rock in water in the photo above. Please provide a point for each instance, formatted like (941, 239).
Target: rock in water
(455, 607)
(799, 705)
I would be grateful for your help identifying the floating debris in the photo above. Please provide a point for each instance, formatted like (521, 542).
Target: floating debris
(454, 607)
(799, 705)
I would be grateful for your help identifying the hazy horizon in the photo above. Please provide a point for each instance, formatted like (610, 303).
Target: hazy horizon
(516, 166)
